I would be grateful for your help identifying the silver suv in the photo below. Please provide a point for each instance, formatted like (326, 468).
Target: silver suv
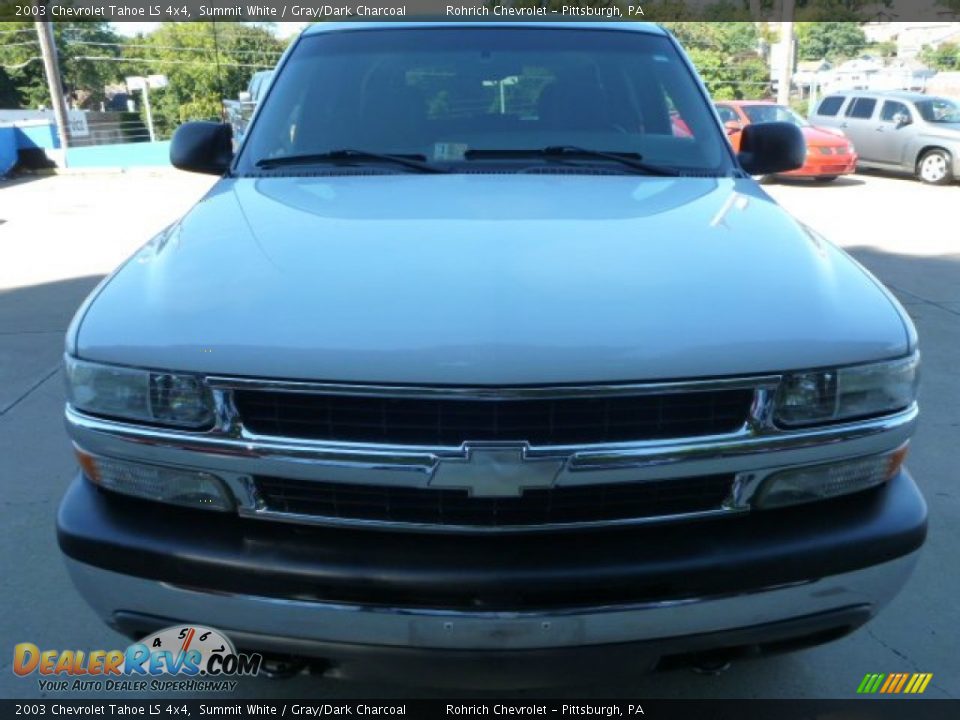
(899, 131)
(486, 353)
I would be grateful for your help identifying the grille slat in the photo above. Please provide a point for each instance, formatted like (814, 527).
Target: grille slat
(574, 504)
(453, 421)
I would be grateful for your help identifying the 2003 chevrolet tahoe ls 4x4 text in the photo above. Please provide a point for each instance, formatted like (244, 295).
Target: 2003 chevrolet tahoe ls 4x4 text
(487, 349)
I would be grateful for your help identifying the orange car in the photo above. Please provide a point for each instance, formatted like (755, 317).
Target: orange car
(829, 153)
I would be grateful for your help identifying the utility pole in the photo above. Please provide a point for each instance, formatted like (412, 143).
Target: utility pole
(146, 106)
(786, 62)
(48, 50)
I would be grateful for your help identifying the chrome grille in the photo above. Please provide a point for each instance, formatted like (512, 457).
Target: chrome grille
(456, 508)
(451, 421)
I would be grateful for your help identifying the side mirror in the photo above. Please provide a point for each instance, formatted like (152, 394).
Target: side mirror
(202, 147)
(901, 120)
(769, 148)
(244, 97)
(732, 127)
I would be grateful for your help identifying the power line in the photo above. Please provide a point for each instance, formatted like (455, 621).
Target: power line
(164, 62)
(20, 66)
(14, 32)
(171, 47)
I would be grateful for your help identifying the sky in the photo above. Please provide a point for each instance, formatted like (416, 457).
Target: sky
(284, 30)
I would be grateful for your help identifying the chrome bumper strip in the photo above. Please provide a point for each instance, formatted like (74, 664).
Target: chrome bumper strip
(236, 455)
(207, 449)
(751, 455)
(108, 592)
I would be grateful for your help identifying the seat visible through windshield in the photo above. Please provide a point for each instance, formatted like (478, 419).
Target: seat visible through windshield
(438, 93)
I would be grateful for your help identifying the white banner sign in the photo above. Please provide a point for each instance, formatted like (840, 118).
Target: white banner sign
(77, 120)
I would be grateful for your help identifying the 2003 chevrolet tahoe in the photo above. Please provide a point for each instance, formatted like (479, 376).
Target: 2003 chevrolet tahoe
(487, 349)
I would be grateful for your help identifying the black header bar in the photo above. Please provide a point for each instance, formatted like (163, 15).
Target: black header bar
(174, 707)
(338, 10)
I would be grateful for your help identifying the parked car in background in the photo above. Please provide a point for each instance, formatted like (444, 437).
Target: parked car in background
(829, 153)
(899, 131)
(238, 112)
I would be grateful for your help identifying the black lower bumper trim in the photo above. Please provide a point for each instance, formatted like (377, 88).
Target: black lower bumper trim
(220, 552)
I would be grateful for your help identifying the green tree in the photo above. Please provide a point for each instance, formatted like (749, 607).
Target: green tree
(9, 95)
(726, 56)
(952, 5)
(831, 40)
(945, 57)
(886, 49)
(838, 10)
(86, 53)
(204, 63)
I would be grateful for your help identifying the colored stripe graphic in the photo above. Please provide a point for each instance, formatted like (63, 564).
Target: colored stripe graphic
(908, 683)
(918, 683)
(871, 683)
(897, 680)
(891, 680)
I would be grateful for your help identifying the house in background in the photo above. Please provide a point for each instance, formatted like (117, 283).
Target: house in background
(864, 73)
(911, 37)
(809, 70)
(873, 73)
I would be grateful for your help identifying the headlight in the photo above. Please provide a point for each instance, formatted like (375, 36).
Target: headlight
(141, 395)
(826, 396)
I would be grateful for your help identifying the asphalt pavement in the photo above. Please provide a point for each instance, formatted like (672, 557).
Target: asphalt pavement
(60, 235)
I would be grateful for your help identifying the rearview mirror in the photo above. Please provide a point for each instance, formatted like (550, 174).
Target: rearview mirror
(202, 147)
(769, 148)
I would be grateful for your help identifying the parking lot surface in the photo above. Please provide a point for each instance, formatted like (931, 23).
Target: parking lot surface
(59, 235)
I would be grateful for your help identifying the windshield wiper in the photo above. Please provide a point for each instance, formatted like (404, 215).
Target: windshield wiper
(572, 152)
(412, 161)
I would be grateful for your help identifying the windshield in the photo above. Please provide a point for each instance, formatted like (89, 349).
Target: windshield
(440, 94)
(773, 113)
(939, 110)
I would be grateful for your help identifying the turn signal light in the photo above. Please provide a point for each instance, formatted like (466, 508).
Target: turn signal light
(819, 482)
(175, 486)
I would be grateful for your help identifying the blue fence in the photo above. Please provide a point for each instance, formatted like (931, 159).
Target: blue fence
(33, 136)
(30, 135)
(8, 149)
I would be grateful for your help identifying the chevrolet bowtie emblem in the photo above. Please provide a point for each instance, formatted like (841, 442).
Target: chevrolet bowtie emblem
(496, 471)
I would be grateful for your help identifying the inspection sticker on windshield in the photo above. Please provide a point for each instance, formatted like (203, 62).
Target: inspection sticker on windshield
(449, 151)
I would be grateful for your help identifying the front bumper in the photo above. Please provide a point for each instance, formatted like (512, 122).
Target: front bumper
(826, 166)
(686, 587)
